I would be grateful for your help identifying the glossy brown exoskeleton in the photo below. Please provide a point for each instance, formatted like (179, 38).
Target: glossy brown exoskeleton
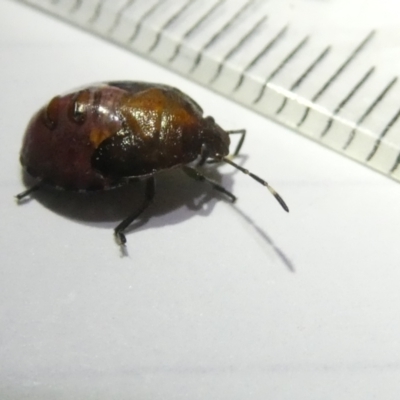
(105, 135)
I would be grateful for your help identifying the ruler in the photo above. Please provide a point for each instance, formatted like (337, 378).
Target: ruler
(325, 68)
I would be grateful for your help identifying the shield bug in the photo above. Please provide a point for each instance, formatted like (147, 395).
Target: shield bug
(106, 135)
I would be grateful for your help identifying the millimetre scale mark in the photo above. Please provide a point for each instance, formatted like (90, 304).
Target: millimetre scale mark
(382, 135)
(119, 16)
(143, 18)
(76, 6)
(279, 68)
(395, 165)
(167, 24)
(346, 100)
(368, 112)
(261, 54)
(329, 82)
(199, 22)
(236, 48)
(303, 76)
(97, 12)
(219, 33)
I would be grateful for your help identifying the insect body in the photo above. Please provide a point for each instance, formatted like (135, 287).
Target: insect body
(106, 135)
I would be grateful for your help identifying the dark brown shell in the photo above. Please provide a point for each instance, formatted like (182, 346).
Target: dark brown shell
(97, 137)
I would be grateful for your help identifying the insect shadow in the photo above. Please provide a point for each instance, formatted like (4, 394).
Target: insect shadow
(174, 191)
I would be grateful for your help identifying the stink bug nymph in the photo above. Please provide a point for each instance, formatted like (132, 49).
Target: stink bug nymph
(106, 135)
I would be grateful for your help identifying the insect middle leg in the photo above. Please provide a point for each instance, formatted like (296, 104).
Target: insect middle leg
(149, 196)
(198, 176)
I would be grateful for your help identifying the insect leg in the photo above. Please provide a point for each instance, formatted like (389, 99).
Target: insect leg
(27, 192)
(241, 132)
(204, 154)
(198, 176)
(149, 195)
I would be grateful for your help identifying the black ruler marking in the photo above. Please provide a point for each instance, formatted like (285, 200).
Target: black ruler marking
(238, 45)
(279, 68)
(119, 16)
(219, 33)
(260, 55)
(303, 76)
(190, 31)
(97, 12)
(143, 18)
(382, 135)
(75, 7)
(336, 74)
(339, 107)
(395, 165)
(368, 112)
(168, 23)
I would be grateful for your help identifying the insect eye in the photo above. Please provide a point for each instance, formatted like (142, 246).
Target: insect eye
(210, 120)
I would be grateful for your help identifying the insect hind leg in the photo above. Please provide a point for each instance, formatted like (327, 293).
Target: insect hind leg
(28, 191)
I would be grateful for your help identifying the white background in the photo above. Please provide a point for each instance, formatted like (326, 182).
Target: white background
(214, 300)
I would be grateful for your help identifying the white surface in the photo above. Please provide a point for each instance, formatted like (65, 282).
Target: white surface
(203, 306)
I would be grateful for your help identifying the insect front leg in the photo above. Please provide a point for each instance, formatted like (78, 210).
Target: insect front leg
(198, 176)
(149, 196)
(241, 132)
(204, 154)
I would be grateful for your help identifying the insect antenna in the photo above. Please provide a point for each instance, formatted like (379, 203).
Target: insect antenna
(259, 180)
